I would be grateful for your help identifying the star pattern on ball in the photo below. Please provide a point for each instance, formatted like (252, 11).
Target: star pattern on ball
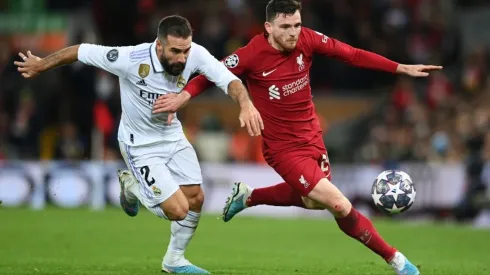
(395, 209)
(395, 190)
(384, 175)
(411, 196)
(376, 197)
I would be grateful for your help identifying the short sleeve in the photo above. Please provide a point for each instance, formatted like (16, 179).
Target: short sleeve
(111, 59)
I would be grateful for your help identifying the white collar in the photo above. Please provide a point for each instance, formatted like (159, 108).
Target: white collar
(155, 62)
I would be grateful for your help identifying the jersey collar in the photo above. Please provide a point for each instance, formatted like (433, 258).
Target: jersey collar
(157, 66)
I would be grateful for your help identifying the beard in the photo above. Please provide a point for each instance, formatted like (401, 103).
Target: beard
(174, 69)
(287, 45)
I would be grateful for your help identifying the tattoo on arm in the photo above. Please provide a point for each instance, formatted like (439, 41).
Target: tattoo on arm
(63, 57)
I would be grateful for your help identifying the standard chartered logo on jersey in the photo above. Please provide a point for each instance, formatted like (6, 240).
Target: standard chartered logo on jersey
(288, 89)
(274, 92)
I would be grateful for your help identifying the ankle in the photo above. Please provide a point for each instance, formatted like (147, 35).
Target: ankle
(392, 257)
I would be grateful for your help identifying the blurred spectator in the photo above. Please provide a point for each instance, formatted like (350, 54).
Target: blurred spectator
(69, 145)
(438, 91)
(25, 127)
(474, 72)
(212, 142)
(403, 93)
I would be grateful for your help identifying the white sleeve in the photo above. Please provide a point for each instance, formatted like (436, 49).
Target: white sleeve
(111, 59)
(213, 69)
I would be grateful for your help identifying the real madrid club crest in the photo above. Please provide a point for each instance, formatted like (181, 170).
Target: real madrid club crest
(156, 190)
(144, 70)
(181, 81)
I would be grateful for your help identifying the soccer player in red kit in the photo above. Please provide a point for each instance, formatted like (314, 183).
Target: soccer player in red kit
(276, 66)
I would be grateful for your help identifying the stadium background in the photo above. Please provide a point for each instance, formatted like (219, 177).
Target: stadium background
(58, 146)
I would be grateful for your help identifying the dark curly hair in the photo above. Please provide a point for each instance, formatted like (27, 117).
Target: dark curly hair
(276, 7)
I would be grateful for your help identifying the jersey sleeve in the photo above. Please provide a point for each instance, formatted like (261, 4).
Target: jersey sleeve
(323, 45)
(237, 63)
(111, 59)
(214, 70)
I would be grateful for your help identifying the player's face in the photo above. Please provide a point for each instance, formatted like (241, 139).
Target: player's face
(285, 30)
(173, 53)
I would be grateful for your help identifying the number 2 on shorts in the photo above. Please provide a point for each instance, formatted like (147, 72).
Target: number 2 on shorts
(145, 171)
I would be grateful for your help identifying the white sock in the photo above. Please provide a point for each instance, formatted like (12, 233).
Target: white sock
(398, 261)
(182, 232)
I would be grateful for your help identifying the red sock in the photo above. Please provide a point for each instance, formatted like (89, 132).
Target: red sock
(360, 228)
(281, 194)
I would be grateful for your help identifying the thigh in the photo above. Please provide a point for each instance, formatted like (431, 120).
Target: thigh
(184, 165)
(303, 170)
(302, 173)
(156, 183)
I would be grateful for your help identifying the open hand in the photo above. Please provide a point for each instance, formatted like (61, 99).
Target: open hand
(417, 70)
(251, 119)
(31, 66)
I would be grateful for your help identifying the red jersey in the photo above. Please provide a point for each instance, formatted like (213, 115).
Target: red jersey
(279, 85)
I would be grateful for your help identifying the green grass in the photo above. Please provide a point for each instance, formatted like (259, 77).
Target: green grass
(58, 241)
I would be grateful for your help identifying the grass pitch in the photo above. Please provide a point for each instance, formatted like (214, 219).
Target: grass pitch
(56, 241)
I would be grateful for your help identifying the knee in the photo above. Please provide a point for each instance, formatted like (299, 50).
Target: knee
(177, 212)
(341, 207)
(329, 195)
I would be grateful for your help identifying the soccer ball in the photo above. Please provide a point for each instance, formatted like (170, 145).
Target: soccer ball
(393, 192)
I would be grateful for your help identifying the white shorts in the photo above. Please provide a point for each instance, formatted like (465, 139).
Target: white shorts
(161, 168)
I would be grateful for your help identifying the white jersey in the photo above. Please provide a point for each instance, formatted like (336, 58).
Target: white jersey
(142, 80)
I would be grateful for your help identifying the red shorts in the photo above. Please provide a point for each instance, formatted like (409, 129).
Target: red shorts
(302, 169)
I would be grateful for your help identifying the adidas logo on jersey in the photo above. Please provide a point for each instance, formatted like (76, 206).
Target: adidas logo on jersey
(274, 92)
(141, 82)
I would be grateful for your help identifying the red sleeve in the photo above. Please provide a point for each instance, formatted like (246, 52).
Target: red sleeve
(321, 44)
(237, 63)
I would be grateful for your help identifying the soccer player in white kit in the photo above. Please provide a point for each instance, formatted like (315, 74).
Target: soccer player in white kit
(164, 175)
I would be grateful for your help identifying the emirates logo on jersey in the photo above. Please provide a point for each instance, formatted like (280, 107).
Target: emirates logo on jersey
(301, 63)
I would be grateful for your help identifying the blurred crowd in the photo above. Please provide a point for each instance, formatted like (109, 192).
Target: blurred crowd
(69, 112)
(442, 120)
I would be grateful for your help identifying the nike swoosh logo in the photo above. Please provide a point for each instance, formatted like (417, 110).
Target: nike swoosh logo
(268, 73)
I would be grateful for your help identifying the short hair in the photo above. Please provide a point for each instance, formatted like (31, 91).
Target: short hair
(276, 7)
(174, 25)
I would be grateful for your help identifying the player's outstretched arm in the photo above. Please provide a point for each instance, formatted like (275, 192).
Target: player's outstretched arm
(31, 65)
(111, 59)
(322, 44)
